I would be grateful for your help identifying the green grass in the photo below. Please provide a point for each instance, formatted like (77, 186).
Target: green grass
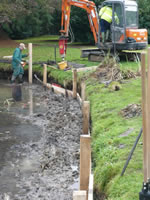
(46, 51)
(130, 66)
(107, 123)
(107, 126)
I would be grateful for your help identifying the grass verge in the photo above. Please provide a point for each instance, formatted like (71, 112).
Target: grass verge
(110, 149)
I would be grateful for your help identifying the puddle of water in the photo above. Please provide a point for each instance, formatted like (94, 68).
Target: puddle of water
(14, 135)
(75, 185)
(28, 104)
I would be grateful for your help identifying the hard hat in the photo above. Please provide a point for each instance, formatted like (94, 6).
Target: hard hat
(22, 45)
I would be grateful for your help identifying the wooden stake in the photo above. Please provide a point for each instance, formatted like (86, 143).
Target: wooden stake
(30, 63)
(85, 161)
(148, 116)
(91, 183)
(45, 74)
(86, 116)
(87, 69)
(74, 83)
(83, 91)
(144, 115)
(31, 102)
(79, 195)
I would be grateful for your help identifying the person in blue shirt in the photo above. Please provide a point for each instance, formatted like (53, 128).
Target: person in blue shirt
(17, 67)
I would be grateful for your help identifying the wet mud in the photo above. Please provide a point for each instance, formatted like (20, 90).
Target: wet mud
(39, 145)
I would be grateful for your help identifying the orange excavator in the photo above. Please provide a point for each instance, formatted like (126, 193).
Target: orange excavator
(124, 36)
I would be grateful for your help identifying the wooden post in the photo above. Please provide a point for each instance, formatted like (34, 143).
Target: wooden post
(79, 195)
(91, 183)
(144, 114)
(86, 116)
(45, 74)
(85, 161)
(83, 91)
(55, 52)
(30, 63)
(31, 102)
(65, 84)
(74, 83)
(148, 116)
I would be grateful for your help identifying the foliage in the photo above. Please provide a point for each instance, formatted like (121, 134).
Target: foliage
(31, 18)
(56, 22)
(34, 24)
(10, 9)
(144, 17)
(80, 25)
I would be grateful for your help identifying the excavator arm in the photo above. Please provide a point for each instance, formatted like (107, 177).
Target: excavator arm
(91, 10)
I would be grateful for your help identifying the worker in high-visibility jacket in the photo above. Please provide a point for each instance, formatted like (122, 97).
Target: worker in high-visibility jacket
(105, 21)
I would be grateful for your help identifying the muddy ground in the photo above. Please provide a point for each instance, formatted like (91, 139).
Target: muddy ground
(5, 41)
(46, 168)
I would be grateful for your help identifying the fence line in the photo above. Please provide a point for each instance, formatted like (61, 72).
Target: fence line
(85, 191)
(86, 178)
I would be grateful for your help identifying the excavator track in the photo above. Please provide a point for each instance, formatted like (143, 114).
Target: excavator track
(98, 55)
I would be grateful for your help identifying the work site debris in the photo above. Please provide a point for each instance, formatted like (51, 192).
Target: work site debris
(109, 70)
(132, 110)
(130, 74)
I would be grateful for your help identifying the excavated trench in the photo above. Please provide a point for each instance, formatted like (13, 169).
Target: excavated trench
(39, 144)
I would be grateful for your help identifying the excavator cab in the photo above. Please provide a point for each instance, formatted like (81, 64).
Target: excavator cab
(124, 32)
